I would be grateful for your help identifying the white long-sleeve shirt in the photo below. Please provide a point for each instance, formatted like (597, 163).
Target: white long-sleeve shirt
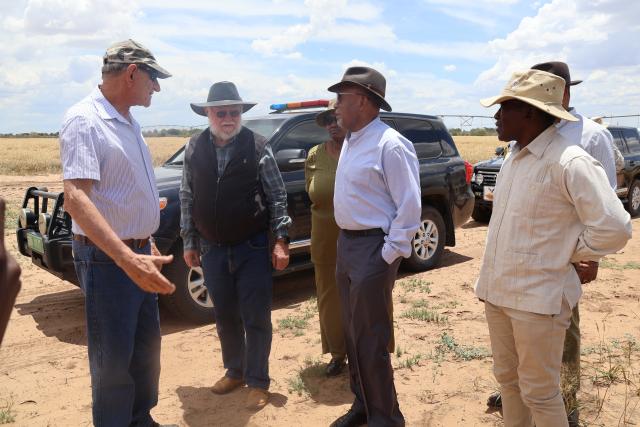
(378, 186)
(594, 139)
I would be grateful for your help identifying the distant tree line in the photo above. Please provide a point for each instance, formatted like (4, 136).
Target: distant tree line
(30, 135)
(473, 132)
(186, 132)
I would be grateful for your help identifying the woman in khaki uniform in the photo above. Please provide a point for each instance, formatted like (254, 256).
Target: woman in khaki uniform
(320, 174)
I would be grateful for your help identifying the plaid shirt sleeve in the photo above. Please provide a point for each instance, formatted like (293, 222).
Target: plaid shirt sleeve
(275, 192)
(188, 230)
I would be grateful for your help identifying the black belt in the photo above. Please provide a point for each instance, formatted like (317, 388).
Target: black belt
(132, 243)
(362, 233)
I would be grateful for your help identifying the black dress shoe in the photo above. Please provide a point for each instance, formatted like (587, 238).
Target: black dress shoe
(350, 419)
(334, 367)
(495, 400)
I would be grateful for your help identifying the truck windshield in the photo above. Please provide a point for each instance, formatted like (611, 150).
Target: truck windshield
(263, 126)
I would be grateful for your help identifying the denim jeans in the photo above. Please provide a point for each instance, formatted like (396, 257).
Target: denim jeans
(123, 330)
(238, 278)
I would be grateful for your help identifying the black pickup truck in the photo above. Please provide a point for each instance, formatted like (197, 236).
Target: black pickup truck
(626, 139)
(44, 229)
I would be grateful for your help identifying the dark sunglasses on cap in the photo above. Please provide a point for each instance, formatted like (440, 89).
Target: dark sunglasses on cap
(223, 114)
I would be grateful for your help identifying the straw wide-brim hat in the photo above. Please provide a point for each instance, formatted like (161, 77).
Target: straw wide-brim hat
(221, 94)
(538, 88)
(321, 118)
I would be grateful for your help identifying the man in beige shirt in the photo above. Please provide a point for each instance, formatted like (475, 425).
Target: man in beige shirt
(553, 206)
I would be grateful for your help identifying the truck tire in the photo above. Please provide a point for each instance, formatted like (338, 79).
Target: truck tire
(633, 198)
(191, 300)
(427, 245)
(481, 214)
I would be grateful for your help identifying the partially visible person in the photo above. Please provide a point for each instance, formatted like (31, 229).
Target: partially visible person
(111, 195)
(320, 175)
(617, 155)
(231, 197)
(377, 205)
(553, 206)
(9, 278)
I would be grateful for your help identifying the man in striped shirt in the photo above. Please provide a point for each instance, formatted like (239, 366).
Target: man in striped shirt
(111, 195)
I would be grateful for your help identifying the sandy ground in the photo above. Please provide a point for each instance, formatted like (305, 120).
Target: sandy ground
(443, 366)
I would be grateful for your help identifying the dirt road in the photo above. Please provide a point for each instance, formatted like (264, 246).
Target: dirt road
(443, 364)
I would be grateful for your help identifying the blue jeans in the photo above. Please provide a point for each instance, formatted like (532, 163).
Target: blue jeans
(238, 278)
(123, 329)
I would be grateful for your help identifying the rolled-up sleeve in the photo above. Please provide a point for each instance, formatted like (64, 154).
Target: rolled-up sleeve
(607, 224)
(78, 150)
(403, 180)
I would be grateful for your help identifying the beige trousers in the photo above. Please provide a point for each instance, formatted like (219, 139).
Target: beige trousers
(527, 357)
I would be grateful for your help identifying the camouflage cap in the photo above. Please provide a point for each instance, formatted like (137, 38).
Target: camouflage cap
(132, 52)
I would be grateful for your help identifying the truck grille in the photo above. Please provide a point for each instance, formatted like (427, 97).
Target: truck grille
(489, 177)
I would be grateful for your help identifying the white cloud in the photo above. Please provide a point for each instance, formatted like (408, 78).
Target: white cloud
(450, 68)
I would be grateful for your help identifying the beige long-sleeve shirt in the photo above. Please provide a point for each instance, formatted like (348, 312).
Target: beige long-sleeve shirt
(553, 205)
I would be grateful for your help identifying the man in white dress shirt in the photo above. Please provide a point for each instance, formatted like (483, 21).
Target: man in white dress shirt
(553, 206)
(377, 205)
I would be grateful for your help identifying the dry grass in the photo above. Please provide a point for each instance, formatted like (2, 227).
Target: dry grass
(41, 156)
(476, 148)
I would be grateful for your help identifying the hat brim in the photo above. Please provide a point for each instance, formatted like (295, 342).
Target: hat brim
(162, 73)
(575, 82)
(556, 110)
(198, 108)
(321, 118)
(340, 85)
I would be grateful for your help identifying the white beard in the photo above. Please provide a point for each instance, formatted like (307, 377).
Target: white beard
(222, 134)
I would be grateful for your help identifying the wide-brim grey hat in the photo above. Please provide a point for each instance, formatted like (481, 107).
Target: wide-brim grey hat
(365, 78)
(221, 94)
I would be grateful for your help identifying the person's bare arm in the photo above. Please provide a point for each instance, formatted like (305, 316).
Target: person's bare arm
(142, 269)
(9, 279)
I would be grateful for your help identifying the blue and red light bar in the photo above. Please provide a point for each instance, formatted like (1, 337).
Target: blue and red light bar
(299, 105)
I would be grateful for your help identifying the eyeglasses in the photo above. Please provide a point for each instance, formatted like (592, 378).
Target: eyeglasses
(153, 74)
(222, 114)
(340, 95)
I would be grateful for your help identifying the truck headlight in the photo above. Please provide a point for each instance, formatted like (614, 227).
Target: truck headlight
(26, 218)
(43, 223)
(479, 178)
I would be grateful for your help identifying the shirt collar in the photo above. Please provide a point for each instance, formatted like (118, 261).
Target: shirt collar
(538, 146)
(106, 110)
(354, 136)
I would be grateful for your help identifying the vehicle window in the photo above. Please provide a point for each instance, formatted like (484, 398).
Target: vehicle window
(426, 141)
(264, 127)
(633, 143)
(302, 137)
(618, 140)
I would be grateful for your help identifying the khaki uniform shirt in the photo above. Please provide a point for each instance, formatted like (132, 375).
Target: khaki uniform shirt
(553, 205)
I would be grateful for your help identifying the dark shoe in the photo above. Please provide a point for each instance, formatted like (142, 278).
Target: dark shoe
(574, 418)
(350, 419)
(495, 400)
(335, 367)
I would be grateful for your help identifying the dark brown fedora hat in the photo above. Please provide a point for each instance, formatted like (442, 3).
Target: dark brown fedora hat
(558, 68)
(221, 94)
(366, 78)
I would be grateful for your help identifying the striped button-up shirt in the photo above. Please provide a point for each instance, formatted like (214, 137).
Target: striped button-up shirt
(552, 206)
(98, 143)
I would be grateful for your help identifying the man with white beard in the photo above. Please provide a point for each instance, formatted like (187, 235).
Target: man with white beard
(231, 194)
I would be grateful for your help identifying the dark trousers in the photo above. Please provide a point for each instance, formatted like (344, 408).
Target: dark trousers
(238, 278)
(365, 282)
(123, 330)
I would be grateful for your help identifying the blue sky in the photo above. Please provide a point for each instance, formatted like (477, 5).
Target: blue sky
(439, 57)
